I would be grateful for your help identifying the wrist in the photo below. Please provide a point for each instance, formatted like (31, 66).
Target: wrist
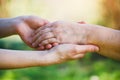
(16, 22)
(46, 58)
(96, 36)
(84, 33)
(89, 34)
(93, 34)
(12, 25)
(50, 57)
(6, 27)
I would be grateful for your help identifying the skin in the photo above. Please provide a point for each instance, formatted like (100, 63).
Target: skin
(11, 59)
(69, 32)
(52, 43)
(25, 26)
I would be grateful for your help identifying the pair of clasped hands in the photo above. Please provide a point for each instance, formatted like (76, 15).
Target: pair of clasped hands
(65, 38)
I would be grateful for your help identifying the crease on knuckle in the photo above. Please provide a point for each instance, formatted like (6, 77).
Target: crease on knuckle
(45, 42)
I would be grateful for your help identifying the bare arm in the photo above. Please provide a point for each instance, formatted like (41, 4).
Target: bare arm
(24, 26)
(20, 59)
(10, 59)
(68, 32)
(107, 39)
(6, 28)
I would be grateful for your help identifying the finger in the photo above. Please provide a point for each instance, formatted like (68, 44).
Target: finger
(42, 38)
(41, 22)
(82, 22)
(55, 43)
(49, 41)
(43, 43)
(35, 21)
(86, 48)
(48, 46)
(39, 33)
(42, 28)
(37, 43)
(41, 48)
(47, 36)
(35, 37)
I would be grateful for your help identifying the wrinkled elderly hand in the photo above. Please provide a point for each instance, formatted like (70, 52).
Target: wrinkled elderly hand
(59, 32)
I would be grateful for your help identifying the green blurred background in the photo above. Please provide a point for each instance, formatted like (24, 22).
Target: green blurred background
(93, 66)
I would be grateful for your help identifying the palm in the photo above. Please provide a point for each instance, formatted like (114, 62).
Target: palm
(65, 52)
(25, 32)
(26, 26)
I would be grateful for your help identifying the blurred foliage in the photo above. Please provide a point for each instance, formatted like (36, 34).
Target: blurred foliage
(74, 70)
(92, 67)
(4, 8)
(111, 13)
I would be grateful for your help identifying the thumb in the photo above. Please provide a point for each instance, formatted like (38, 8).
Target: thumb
(86, 48)
(81, 50)
(35, 22)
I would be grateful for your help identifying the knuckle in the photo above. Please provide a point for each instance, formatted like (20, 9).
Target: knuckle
(44, 35)
(44, 42)
(46, 30)
(41, 32)
(56, 31)
(51, 35)
(52, 40)
(47, 35)
(39, 40)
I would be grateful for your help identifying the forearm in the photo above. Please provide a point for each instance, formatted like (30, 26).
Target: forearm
(107, 39)
(6, 27)
(20, 59)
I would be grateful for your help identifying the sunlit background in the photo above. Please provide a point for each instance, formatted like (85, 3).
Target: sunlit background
(93, 66)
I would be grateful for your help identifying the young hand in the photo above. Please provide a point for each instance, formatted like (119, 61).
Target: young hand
(26, 25)
(66, 52)
(10, 59)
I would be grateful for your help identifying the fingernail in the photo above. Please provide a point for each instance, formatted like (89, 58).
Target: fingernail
(55, 44)
(48, 46)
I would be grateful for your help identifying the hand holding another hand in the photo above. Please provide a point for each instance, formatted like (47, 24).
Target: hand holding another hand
(26, 25)
(61, 32)
(65, 52)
